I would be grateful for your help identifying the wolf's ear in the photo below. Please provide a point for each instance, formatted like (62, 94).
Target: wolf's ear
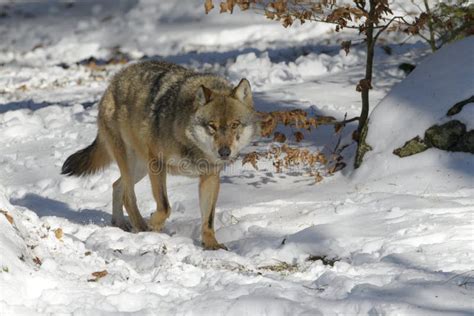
(203, 95)
(243, 93)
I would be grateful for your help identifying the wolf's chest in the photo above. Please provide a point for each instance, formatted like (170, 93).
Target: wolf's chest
(190, 165)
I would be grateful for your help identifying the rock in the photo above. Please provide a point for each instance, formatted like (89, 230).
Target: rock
(455, 109)
(406, 67)
(451, 136)
(445, 136)
(466, 143)
(413, 146)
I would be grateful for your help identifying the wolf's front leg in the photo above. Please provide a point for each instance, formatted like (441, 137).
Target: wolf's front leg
(208, 192)
(158, 186)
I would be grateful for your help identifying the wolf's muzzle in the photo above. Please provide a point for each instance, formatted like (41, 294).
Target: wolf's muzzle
(224, 152)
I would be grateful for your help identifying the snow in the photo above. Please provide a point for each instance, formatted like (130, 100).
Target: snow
(393, 238)
(405, 113)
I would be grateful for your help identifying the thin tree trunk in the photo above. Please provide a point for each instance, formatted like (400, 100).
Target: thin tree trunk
(364, 114)
(362, 146)
(432, 40)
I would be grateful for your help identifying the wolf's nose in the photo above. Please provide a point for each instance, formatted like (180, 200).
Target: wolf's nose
(224, 152)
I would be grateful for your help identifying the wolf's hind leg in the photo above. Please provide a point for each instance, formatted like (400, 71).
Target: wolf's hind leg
(129, 175)
(158, 186)
(118, 220)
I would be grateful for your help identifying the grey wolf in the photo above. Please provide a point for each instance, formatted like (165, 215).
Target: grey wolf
(159, 118)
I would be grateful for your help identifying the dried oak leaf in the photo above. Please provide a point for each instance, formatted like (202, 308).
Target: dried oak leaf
(37, 261)
(338, 127)
(268, 123)
(279, 137)
(287, 21)
(269, 15)
(298, 136)
(251, 158)
(325, 119)
(58, 233)
(280, 6)
(317, 177)
(346, 46)
(98, 275)
(7, 216)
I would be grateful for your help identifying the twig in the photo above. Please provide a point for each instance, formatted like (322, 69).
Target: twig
(457, 275)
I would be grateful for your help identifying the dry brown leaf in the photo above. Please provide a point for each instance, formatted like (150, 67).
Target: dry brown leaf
(58, 233)
(279, 137)
(287, 21)
(346, 46)
(270, 15)
(98, 275)
(8, 216)
(37, 261)
(318, 178)
(280, 6)
(251, 158)
(338, 127)
(298, 136)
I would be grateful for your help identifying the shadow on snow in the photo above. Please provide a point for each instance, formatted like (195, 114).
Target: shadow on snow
(44, 206)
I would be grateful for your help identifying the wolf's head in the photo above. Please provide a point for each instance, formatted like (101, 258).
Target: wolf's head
(223, 123)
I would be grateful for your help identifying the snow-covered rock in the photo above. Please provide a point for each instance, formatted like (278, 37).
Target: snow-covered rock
(411, 107)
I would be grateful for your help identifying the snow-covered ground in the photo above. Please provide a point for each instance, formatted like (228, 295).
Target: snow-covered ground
(394, 238)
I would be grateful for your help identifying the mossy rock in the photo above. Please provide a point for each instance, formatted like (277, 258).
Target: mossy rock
(413, 146)
(445, 136)
(450, 136)
(466, 143)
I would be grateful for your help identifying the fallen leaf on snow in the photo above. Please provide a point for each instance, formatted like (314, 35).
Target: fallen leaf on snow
(98, 275)
(8, 216)
(58, 233)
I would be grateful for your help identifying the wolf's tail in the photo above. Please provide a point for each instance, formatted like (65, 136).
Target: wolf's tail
(87, 161)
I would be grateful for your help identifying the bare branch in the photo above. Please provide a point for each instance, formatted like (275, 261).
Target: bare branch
(384, 27)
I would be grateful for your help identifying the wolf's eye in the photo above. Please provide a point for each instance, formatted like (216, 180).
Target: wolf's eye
(211, 127)
(235, 125)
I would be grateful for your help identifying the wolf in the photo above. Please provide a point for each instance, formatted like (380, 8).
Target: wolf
(159, 118)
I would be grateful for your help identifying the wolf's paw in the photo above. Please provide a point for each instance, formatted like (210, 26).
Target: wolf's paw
(214, 246)
(209, 242)
(156, 227)
(123, 225)
(157, 221)
(141, 227)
